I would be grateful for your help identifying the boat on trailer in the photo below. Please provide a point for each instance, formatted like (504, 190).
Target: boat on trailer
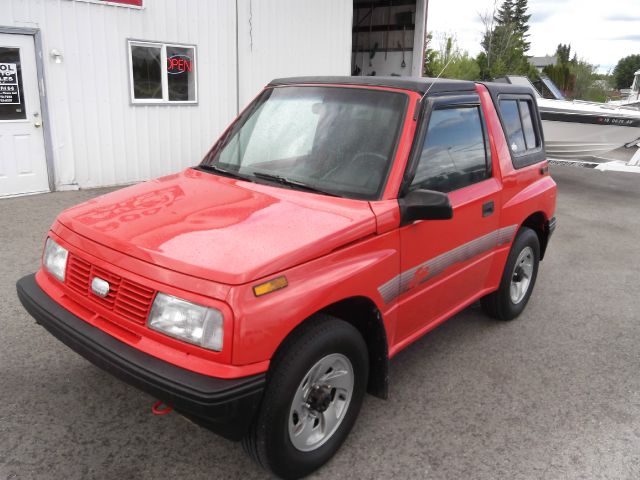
(577, 130)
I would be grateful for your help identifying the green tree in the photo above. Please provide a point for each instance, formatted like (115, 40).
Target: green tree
(623, 73)
(430, 57)
(576, 77)
(561, 73)
(448, 61)
(563, 52)
(504, 42)
(584, 76)
(505, 13)
(521, 21)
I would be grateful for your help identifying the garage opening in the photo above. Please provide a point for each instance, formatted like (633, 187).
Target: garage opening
(388, 37)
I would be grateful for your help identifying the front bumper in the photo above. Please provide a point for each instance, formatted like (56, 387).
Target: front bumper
(225, 406)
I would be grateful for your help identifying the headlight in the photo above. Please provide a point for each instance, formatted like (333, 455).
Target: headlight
(55, 259)
(187, 321)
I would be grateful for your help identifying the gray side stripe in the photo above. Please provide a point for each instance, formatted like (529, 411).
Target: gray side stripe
(400, 283)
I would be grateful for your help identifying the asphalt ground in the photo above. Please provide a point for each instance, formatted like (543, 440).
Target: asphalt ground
(554, 394)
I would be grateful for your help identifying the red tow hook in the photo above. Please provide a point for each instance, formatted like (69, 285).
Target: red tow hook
(160, 408)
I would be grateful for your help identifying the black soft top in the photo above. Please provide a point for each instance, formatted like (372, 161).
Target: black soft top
(498, 88)
(416, 84)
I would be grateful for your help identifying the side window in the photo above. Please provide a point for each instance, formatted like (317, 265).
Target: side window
(518, 117)
(527, 124)
(454, 154)
(513, 125)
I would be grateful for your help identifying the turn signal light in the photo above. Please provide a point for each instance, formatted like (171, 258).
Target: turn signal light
(270, 286)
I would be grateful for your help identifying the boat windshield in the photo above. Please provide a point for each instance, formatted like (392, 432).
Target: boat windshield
(636, 82)
(555, 91)
(332, 140)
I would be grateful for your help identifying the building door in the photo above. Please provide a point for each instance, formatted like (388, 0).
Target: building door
(23, 166)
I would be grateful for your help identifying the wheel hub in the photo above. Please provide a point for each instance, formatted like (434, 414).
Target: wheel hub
(320, 403)
(319, 398)
(518, 274)
(521, 276)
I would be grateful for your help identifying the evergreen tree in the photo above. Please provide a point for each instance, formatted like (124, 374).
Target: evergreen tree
(563, 52)
(575, 77)
(504, 43)
(505, 13)
(521, 21)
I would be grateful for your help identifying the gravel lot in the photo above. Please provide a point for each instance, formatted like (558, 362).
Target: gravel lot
(554, 394)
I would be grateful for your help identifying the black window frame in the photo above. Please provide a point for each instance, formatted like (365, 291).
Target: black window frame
(442, 102)
(530, 156)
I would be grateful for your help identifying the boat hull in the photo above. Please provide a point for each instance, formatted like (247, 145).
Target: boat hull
(578, 130)
(573, 140)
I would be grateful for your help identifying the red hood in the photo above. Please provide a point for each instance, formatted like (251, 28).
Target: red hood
(218, 228)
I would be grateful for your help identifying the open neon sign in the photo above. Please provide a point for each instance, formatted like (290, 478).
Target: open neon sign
(179, 64)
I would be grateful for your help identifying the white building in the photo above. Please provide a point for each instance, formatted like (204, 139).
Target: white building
(96, 93)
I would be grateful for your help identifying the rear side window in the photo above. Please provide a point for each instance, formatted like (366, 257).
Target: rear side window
(513, 126)
(454, 154)
(518, 119)
(527, 124)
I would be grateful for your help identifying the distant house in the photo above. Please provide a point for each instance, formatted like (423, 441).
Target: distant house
(541, 62)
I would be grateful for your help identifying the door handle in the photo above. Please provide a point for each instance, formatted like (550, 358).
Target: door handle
(488, 208)
(37, 121)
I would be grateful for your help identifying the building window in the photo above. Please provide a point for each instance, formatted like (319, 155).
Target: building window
(12, 106)
(162, 73)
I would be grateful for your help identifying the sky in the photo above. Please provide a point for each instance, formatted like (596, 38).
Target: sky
(601, 32)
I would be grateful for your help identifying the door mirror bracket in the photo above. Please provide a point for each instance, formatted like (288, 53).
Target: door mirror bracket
(424, 205)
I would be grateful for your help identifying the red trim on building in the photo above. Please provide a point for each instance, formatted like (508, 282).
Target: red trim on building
(137, 3)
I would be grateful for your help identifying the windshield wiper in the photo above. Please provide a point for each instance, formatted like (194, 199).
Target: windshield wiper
(223, 171)
(292, 183)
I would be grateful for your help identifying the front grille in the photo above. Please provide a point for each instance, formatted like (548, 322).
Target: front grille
(126, 298)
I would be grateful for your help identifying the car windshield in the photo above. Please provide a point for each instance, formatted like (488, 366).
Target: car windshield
(333, 140)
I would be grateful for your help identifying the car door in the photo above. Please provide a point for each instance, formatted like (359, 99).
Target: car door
(445, 263)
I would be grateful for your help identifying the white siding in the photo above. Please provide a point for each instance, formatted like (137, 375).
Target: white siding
(100, 139)
(285, 38)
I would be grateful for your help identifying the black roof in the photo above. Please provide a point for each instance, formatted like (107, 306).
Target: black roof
(497, 87)
(416, 84)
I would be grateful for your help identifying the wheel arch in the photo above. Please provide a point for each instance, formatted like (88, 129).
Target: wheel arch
(364, 315)
(539, 223)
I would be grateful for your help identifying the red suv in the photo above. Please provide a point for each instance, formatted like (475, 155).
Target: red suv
(338, 219)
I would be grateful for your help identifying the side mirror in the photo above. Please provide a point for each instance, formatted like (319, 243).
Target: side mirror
(424, 205)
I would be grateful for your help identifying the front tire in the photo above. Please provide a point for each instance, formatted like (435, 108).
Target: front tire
(314, 394)
(518, 278)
